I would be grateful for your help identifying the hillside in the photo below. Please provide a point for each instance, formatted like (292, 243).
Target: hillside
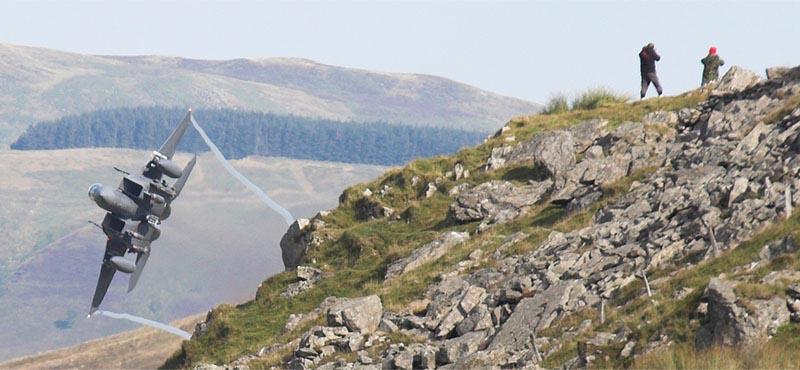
(143, 348)
(39, 84)
(210, 251)
(242, 133)
(638, 235)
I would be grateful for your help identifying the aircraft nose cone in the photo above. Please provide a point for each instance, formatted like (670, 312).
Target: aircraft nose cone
(95, 192)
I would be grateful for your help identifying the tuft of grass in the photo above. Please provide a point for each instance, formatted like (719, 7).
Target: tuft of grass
(598, 97)
(558, 103)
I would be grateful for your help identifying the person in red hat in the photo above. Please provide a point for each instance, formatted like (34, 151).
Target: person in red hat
(711, 64)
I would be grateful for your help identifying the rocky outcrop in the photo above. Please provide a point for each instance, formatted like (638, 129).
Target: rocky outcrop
(711, 176)
(307, 276)
(428, 252)
(352, 326)
(497, 201)
(729, 322)
(301, 236)
(735, 80)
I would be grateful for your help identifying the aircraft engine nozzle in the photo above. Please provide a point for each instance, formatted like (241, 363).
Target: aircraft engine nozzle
(123, 264)
(170, 168)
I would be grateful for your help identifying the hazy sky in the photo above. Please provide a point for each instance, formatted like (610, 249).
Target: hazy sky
(528, 50)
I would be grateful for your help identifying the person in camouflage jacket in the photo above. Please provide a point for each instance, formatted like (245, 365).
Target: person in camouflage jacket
(711, 64)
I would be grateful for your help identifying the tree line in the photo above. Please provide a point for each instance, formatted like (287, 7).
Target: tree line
(241, 133)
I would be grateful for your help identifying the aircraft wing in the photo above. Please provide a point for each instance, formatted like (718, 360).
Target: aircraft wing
(114, 247)
(169, 146)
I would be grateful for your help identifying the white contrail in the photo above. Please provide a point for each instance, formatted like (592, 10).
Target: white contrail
(143, 321)
(255, 189)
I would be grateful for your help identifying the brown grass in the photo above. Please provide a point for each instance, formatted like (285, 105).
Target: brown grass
(764, 355)
(144, 348)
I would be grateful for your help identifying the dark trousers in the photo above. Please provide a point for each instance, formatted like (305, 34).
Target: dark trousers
(647, 78)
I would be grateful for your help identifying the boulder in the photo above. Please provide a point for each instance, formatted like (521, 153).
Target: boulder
(735, 80)
(430, 190)
(497, 201)
(295, 243)
(428, 252)
(536, 313)
(731, 322)
(660, 118)
(308, 276)
(774, 73)
(777, 248)
(553, 150)
(358, 314)
(738, 190)
(452, 350)
(585, 133)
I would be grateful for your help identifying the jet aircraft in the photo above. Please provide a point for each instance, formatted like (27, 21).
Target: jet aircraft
(135, 211)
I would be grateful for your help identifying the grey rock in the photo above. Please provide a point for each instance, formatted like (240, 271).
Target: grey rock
(358, 314)
(664, 118)
(452, 350)
(387, 326)
(627, 351)
(478, 319)
(430, 190)
(295, 243)
(537, 313)
(443, 298)
(738, 190)
(778, 248)
(497, 201)
(309, 273)
(728, 323)
(775, 73)
(427, 253)
(735, 80)
(586, 132)
(404, 360)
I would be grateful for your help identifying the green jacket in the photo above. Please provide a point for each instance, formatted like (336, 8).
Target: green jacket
(711, 66)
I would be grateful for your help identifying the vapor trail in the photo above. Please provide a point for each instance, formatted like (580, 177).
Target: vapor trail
(255, 189)
(143, 321)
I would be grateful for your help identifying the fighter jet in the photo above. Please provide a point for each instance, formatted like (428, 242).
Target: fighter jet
(135, 211)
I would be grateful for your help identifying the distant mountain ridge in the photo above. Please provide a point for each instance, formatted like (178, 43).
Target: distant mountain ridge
(39, 84)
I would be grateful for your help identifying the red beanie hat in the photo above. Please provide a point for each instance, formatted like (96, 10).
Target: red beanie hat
(712, 50)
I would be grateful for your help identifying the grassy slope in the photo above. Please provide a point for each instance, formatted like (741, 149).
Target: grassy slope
(355, 260)
(143, 348)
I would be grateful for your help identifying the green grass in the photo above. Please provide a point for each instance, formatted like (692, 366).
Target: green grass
(598, 97)
(558, 103)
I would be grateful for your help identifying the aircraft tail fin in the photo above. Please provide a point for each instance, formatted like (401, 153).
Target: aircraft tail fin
(141, 260)
(185, 176)
(169, 146)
